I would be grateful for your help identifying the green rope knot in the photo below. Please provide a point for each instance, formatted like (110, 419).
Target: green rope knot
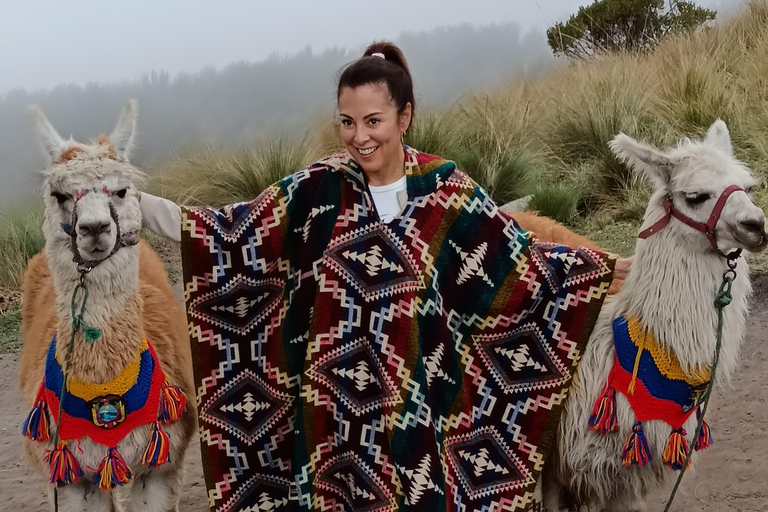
(722, 300)
(91, 333)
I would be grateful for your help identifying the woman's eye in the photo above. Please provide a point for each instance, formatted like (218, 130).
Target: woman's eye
(60, 198)
(374, 121)
(695, 199)
(121, 193)
(346, 122)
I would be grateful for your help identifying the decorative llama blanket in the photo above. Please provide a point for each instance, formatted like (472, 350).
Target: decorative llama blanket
(652, 380)
(105, 413)
(343, 363)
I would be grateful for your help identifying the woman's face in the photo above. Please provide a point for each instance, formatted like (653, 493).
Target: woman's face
(370, 128)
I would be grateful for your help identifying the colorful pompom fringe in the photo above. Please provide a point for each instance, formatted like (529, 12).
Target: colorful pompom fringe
(603, 418)
(158, 451)
(172, 403)
(676, 450)
(36, 426)
(64, 466)
(636, 450)
(704, 440)
(113, 471)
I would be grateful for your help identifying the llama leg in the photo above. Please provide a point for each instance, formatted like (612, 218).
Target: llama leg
(157, 491)
(82, 497)
(552, 496)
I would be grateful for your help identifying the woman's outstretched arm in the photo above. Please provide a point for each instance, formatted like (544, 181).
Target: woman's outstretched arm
(161, 216)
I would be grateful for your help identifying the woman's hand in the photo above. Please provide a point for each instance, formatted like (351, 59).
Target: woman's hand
(622, 268)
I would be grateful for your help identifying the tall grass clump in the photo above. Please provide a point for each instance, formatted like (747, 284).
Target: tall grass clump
(217, 176)
(557, 201)
(21, 237)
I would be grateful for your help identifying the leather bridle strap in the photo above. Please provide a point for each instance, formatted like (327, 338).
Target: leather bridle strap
(707, 228)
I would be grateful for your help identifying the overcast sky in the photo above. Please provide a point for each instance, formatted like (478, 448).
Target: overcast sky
(44, 43)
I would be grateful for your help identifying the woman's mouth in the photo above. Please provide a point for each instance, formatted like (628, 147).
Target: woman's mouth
(367, 152)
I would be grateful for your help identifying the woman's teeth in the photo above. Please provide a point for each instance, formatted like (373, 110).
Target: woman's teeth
(366, 152)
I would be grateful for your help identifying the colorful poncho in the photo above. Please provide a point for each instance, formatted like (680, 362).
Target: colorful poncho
(105, 413)
(345, 364)
(657, 388)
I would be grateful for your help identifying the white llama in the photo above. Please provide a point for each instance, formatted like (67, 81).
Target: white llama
(124, 425)
(668, 300)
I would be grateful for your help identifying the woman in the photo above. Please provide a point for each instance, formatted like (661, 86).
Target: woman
(372, 333)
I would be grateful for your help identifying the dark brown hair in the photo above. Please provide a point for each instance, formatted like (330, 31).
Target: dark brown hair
(392, 70)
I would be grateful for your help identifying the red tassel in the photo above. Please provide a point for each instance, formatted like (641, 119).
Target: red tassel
(636, 448)
(36, 426)
(113, 471)
(64, 466)
(172, 403)
(603, 418)
(676, 450)
(158, 451)
(704, 440)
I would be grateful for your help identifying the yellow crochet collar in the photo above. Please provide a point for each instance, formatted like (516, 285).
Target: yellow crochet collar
(118, 386)
(665, 359)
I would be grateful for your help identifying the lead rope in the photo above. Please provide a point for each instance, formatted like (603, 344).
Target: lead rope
(91, 334)
(722, 300)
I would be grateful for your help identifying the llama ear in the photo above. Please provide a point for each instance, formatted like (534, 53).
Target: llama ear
(719, 137)
(51, 142)
(656, 165)
(122, 136)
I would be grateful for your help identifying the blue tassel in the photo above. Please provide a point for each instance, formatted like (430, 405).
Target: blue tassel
(36, 426)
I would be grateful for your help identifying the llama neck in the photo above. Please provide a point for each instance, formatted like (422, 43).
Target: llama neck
(114, 306)
(672, 287)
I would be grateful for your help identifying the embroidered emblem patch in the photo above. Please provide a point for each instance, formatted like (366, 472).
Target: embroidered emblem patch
(107, 411)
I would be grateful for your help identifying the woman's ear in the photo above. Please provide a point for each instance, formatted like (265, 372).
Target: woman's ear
(405, 118)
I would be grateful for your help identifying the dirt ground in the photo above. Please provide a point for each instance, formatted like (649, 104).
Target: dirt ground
(731, 476)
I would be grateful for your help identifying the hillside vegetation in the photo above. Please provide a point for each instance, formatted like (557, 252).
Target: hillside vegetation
(548, 135)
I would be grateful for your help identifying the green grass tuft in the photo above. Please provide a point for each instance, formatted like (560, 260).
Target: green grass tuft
(21, 237)
(557, 201)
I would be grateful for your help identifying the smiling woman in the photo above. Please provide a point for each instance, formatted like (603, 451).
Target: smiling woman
(358, 327)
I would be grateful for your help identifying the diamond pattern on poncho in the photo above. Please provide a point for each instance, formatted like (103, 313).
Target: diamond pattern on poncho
(484, 464)
(373, 261)
(520, 361)
(246, 407)
(356, 484)
(354, 374)
(239, 305)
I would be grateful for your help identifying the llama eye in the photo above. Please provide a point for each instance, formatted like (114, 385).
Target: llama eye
(60, 198)
(696, 198)
(121, 193)
(748, 190)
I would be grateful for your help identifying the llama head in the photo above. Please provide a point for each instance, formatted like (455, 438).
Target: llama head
(89, 188)
(694, 175)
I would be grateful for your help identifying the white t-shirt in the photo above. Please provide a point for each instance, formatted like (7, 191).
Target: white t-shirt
(386, 199)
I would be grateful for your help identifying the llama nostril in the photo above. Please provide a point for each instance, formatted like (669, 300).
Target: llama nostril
(93, 228)
(754, 225)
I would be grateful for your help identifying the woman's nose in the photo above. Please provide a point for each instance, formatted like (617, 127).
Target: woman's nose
(361, 135)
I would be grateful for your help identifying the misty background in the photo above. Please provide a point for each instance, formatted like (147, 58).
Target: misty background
(224, 74)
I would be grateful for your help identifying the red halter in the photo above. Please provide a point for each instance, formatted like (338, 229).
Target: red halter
(708, 228)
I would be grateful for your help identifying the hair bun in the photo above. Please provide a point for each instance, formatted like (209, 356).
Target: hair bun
(390, 52)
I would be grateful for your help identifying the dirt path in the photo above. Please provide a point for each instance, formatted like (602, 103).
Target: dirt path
(731, 476)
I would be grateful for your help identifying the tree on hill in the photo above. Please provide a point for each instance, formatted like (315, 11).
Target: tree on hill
(624, 25)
